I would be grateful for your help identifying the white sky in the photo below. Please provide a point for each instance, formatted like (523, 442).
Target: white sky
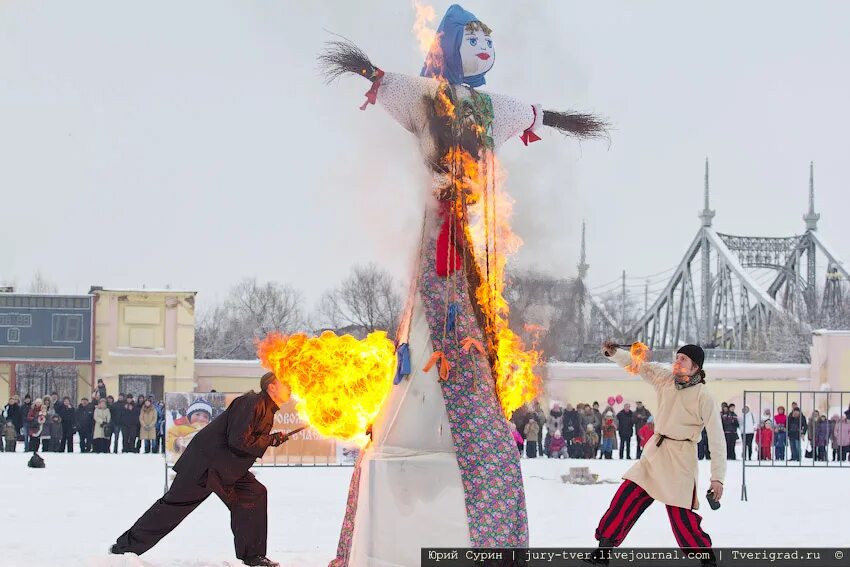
(193, 143)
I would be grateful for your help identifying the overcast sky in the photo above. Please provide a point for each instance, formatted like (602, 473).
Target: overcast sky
(194, 143)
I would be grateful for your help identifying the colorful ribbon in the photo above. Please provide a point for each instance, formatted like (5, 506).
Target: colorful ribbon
(440, 357)
(372, 93)
(528, 136)
(467, 344)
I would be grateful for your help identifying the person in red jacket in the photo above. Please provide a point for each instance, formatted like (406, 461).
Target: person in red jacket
(557, 446)
(764, 440)
(647, 431)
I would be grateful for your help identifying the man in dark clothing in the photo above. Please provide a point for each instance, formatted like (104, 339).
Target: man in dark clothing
(140, 403)
(116, 411)
(217, 460)
(641, 415)
(66, 413)
(101, 388)
(626, 429)
(796, 429)
(729, 419)
(13, 414)
(85, 424)
(129, 421)
(572, 431)
(55, 403)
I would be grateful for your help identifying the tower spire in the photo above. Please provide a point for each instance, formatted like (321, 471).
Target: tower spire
(811, 217)
(707, 214)
(582, 263)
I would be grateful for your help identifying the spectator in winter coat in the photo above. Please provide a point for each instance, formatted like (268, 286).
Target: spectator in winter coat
(102, 421)
(140, 403)
(45, 431)
(591, 441)
(609, 434)
(520, 442)
(748, 429)
(116, 410)
(84, 421)
(597, 424)
(813, 424)
(101, 389)
(647, 430)
(147, 421)
(25, 411)
(842, 438)
(55, 442)
(626, 429)
(36, 418)
(780, 432)
(764, 440)
(554, 422)
(641, 416)
(66, 414)
(572, 431)
(538, 416)
(532, 429)
(55, 404)
(821, 438)
(796, 428)
(129, 422)
(557, 446)
(587, 418)
(159, 444)
(833, 423)
(729, 420)
(10, 436)
(12, 412)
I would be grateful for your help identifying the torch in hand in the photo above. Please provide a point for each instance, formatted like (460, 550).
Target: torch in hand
(279, 437)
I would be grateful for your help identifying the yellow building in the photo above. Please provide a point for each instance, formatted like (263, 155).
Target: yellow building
(145, 340)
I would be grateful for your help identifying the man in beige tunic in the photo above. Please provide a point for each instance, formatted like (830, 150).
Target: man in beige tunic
(667, 469)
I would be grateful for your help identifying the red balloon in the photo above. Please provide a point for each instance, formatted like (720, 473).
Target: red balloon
(611, 400)
(619, 399)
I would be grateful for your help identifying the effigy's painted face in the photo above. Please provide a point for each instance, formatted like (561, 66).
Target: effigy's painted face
(477, 54)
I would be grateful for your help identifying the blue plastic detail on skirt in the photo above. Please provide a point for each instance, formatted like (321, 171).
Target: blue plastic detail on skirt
(403, 364)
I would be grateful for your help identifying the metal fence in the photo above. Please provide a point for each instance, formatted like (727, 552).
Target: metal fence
(816, 447)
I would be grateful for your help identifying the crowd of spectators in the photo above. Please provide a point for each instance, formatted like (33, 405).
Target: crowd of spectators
(585, 432)
(49, 424)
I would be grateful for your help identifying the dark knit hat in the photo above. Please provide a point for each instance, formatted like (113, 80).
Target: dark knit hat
(693, 352)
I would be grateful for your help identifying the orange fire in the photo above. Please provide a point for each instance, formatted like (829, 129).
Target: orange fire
(640, 353)
(489, 231)
(426, 35)
(339, 383)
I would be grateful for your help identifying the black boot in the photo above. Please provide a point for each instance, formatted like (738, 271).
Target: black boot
(260, 561)
(600, 556)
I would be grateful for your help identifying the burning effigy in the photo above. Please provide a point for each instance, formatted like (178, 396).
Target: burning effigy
(442, 469)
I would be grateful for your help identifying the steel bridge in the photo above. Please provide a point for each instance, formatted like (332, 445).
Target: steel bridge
(728, 289)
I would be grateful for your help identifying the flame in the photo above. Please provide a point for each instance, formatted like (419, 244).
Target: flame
(339, 382)
(489, 229)
(425, 34)
(640, 353)
(427, 37)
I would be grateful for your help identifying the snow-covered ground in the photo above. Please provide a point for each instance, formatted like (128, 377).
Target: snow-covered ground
(70, 512)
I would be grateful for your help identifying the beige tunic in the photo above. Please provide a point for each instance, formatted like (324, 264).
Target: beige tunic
(669, 472)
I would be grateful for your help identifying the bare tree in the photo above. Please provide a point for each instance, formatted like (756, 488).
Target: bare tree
(40, 284)
(367, 300)
(250, 312)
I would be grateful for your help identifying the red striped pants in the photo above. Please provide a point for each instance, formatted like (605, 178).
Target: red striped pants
(631, 501)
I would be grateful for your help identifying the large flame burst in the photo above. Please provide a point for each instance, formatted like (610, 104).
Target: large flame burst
(339, 383)
(489, 210)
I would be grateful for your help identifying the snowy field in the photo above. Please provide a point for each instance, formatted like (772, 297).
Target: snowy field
(70, 512)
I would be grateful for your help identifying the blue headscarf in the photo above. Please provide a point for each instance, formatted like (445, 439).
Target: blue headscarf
(449, 36)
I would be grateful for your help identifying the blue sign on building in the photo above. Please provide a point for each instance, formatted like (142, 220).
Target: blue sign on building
(46, 327)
